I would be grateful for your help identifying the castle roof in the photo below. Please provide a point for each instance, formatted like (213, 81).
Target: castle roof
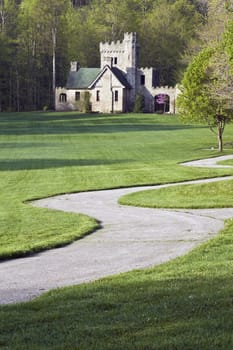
(86, 78)
(121, 77)
(82, 78)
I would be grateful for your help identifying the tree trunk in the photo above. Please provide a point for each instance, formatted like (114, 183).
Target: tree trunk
(220, 143)
(54, 39)
(221, 120)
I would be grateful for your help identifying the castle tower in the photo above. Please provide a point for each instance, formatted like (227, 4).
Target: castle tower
(131, 55)
(124, 56)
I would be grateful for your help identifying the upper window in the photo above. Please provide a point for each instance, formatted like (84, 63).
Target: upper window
(97, 95)
(142, 79)
(115, 60)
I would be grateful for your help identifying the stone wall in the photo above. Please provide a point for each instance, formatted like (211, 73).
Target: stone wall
(65, 104)
(107, 96)
(149, 91)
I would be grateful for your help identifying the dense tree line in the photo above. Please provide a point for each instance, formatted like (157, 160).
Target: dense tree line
(41, 37)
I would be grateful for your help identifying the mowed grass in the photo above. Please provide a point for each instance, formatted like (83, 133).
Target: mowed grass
(226, 162)
(184, 304)
(43, 154)
(211, 195)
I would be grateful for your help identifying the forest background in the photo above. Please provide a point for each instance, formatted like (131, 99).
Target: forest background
(39, 38)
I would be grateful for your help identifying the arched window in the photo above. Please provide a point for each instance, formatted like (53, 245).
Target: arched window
(62, 97)
(162, 103)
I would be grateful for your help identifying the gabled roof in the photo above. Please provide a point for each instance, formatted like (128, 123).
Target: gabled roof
(82, 78)
(121, 77)
(85, 78)
(118, 74)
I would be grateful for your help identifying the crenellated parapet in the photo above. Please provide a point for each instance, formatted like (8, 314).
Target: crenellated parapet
(111, 46)
(120, 53)
(146, 69)
(166, 87)
(60, 89)
(119, 44)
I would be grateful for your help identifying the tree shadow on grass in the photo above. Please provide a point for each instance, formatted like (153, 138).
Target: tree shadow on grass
(69, 128)
(29, 144)
(39, 123)
(175, 313)
(30, 164)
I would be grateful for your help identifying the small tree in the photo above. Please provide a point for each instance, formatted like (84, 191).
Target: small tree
(207, 92)
(139, 104)
(86, 103)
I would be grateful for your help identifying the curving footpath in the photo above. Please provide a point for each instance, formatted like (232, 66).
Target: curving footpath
(130, 238)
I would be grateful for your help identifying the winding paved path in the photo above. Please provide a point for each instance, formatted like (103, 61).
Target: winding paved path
(130, 238)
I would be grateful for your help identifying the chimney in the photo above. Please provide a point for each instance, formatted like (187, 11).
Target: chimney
(74, 66)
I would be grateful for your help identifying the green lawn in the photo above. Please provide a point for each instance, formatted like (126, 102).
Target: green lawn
(227, 162)
(45, 154)
(184, 304)
(212, 195)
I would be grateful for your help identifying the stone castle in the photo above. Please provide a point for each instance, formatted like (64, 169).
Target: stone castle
(113, 87)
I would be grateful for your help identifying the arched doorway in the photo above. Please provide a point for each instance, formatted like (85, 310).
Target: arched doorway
(162, 103)
(62, 97)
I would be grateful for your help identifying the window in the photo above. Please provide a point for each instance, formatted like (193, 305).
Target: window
(116, 96)
(97, 95)
(115, 60)
(142, 79)
(62, 98)
(77, 96)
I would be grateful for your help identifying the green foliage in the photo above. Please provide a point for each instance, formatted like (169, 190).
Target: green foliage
(166, 38)
(228, 42)
(163, 38)
(206, 92)
(30, 78)
(8, 15)
(139, 104)
(84, 104)
(193, 102)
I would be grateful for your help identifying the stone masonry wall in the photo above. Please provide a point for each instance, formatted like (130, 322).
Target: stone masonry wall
(149, 91)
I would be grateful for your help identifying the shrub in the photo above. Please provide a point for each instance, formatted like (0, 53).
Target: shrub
(139, 104)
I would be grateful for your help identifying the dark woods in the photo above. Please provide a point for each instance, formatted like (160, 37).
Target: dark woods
(38, 40)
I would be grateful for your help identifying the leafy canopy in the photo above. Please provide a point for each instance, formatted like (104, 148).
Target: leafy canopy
(206, 92)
